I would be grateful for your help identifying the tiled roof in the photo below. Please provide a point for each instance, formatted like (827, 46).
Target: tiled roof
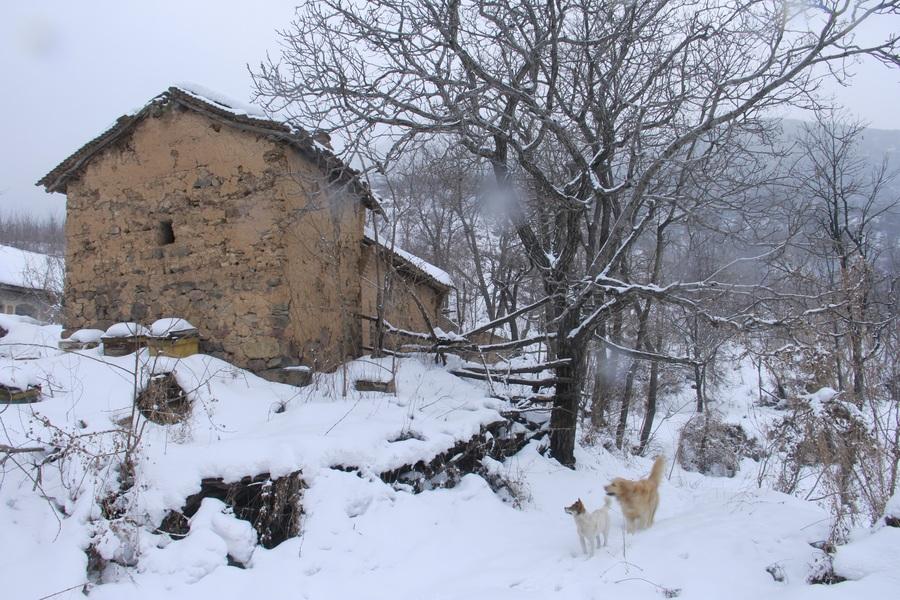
(417, 267)
(249, 120)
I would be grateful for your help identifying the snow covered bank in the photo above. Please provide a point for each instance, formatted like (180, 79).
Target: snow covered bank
(359, 536)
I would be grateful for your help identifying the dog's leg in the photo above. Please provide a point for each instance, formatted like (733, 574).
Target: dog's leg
(583, 546)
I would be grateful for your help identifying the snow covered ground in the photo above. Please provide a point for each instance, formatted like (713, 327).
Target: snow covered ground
(360, 537)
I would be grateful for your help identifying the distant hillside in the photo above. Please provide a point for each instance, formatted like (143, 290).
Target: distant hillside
(875, 145)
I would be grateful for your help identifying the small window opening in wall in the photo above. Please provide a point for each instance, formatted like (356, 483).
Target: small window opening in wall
(165, 234)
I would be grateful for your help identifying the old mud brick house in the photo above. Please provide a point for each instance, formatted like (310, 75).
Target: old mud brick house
(250, 229)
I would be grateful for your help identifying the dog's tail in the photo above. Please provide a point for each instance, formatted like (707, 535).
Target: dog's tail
(656, 473)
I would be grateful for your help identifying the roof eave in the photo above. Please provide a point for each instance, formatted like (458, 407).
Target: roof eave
(410, 267)
(58, 178)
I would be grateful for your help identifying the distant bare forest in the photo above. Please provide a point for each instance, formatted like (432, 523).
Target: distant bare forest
(34, 234)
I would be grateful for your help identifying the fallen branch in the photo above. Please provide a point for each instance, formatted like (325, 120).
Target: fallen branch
(390, 329)
(14, 450)
(457, 343)
(652, 356)
(388, 352)
(534, 383)
(512, 413)
(500, 320)
(499, 372)
(424, 313)
(515, 344)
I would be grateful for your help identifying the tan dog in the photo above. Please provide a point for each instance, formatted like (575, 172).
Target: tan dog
(638, 499)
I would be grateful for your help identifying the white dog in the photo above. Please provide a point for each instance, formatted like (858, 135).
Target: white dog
(590, 525)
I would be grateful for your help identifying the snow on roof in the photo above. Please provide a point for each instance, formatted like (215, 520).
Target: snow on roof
(233, 106)
(126, 330)
(24, 269)
(423, 266)
(169, 325)
(87, 336)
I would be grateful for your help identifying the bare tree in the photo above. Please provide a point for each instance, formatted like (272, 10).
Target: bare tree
(33, 234)
(443, 212)
(582, 109)
(843, 197)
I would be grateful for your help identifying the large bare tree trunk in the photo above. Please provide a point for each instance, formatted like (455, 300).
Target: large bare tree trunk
(698, 387)
(838, 363)
(564, 417)
(650, 409)
(856, 357)
(639, 343)
(854, 332)
(626, 404)
(600, 390)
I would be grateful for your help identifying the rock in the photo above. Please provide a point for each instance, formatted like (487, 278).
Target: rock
(296, 376)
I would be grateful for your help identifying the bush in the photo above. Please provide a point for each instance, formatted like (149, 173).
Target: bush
(709, 446)
(163, 401)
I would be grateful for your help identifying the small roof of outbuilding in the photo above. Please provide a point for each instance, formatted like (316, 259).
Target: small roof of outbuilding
(27, 270)
(224, 110)
(419, 268)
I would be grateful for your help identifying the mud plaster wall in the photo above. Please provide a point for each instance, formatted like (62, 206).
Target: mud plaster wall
(400, 308)
(323, 228)
(239, 267)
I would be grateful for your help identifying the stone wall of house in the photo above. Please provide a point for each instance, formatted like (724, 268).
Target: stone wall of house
(401, 309)
(191, 217)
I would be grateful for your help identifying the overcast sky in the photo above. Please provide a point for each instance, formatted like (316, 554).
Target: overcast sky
(71, 68)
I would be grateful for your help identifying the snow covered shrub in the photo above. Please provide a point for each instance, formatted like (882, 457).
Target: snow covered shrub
(892, 511)
(163, 401)
(796, 372)
(272, 506)
(709, 446)
(776, 571)
(823, 429)
(830, 442)
(821, 571)
(510, 485)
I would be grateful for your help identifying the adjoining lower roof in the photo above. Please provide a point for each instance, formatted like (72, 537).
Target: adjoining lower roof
(28, 270)
(418, 267)
(221, 109)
